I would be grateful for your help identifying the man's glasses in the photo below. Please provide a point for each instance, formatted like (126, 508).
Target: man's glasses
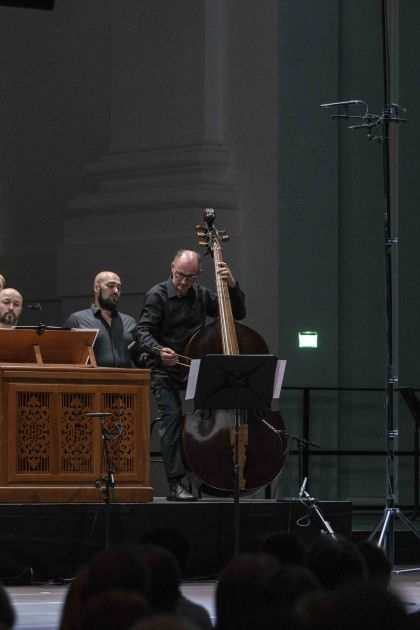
(185, 276)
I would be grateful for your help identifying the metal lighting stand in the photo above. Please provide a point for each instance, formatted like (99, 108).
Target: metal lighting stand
(413, 404)
(374, 123)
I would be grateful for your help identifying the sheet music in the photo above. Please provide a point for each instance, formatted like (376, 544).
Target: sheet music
(278, 378)
(192, 379)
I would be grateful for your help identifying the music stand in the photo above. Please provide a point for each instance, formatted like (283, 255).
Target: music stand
(245, 381)
(48, 347)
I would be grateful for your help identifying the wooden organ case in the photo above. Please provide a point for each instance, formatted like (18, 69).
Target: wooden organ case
(50, 450)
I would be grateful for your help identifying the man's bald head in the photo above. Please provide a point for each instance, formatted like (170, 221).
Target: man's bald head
(11, 303)
(185, 269)
(188, 256)
(106, 276)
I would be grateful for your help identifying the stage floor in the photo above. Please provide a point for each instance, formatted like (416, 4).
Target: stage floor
(39, 607)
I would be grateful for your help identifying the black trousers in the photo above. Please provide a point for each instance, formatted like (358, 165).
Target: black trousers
(168, 401)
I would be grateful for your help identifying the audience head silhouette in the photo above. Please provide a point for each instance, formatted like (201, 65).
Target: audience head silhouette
(365, 606)
(173, 541)
(164, 577)
(285, 546)
(335, 561)
(379, 567)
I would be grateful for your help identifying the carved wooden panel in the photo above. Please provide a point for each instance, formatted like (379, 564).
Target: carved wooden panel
(121, 447)
(33, 431)
(48, 442)
(76, 452)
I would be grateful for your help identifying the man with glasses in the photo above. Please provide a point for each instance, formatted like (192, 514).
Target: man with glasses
(173, 311)
(115, 344)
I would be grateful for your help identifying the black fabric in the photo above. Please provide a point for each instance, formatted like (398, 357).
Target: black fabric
(47, 5)
(169, 406)
(56, 540)
(168, 320)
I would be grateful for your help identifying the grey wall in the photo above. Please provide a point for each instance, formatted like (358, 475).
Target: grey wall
(116, 129)
(54, 112)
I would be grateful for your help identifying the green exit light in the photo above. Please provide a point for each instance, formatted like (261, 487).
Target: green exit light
(308, 339)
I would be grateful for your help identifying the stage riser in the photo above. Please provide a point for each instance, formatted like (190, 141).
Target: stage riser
(56, 540)
(72, 494)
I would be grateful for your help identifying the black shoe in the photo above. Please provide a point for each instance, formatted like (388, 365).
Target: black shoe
(178, 492)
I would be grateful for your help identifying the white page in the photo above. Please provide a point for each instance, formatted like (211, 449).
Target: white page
(192, 379)
(278, 378)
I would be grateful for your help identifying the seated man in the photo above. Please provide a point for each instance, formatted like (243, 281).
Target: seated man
(11, 303)
(115, 345)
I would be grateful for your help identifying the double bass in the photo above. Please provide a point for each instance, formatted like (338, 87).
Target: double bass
(212, 442)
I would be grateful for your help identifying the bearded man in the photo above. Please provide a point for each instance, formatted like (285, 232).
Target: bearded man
(11, 303)
(115, 344)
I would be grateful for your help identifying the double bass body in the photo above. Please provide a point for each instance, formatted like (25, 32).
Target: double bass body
(213, 441)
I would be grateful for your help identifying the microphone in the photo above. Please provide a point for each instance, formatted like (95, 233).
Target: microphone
(344, 103)
(302, 488)
(36, 306)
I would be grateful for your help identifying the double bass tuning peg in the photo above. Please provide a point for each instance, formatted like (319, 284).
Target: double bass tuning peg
(223, 235)
(201, 230)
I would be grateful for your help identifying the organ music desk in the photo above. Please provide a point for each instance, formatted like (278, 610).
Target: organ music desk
(50, 451)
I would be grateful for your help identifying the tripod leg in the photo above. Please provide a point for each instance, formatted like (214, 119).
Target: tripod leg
(416, 470)
(412, 529)
(384, 530)
(407, 523)
(377, 527)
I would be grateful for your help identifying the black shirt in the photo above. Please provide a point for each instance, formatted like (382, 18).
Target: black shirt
(112, 343)
(168, 320)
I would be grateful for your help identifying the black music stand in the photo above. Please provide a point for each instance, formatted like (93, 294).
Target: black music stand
(413, 404)
(245, 381)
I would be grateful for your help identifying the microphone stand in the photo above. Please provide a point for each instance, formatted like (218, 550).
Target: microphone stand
(374, 123)
(312, 505)
(41, 327)
(302, 443)
(36, 306)
(106, 483)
